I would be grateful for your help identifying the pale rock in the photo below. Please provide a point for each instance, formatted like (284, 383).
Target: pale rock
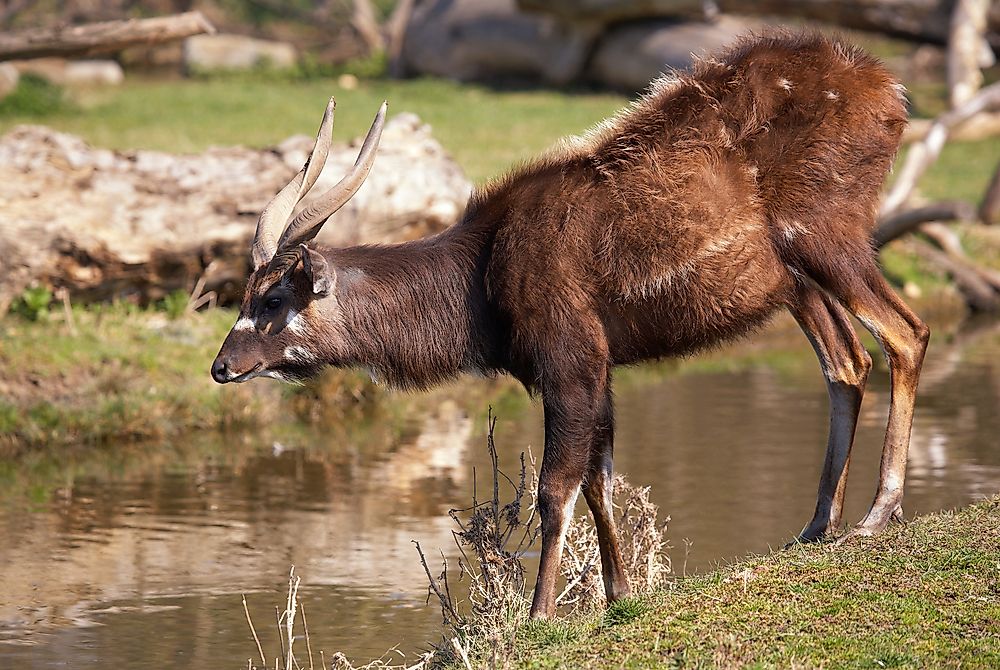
(491, 39)
(629, 56)
(137, 225)
(206, 53)
(9, 76)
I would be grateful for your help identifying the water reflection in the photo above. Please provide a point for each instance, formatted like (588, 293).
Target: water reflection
(144, 563)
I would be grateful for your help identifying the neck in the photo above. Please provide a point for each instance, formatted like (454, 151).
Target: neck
(414, 313)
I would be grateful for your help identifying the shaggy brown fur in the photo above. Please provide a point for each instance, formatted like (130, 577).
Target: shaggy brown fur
(745, 186)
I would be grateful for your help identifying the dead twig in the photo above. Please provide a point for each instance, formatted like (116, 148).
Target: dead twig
(305, 627)
(63, 296)
(260, 650)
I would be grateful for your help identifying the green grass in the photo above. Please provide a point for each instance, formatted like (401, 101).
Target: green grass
(962, 172)
(486, 130)
(924, 595)
(123, 373)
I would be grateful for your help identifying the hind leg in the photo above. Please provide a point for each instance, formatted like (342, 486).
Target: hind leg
(859, 285)
(845, 365)
(597, 489)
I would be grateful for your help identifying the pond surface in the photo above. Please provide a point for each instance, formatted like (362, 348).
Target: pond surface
(141, 562)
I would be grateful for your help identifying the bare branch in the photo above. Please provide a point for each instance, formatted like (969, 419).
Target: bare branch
(978, 293)
(395, 30)
(98, 38)
(364, 22)
(897, 225)
(260, 650)
(968, 51)
(923, 154)
(989, 208)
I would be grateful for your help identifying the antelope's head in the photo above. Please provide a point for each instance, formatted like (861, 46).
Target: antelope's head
(289, 300)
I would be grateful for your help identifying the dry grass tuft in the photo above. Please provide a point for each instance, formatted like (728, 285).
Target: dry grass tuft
(643, 543)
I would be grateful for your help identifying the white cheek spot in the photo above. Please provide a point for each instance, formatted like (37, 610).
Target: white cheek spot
(244, 324)
(785, 84)
(299, 354)
(832, 95)
(295, 322)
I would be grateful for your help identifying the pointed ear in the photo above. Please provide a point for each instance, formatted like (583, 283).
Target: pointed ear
(318, 271)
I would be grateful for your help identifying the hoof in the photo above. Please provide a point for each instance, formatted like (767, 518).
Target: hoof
(855, 534)
(811, 535)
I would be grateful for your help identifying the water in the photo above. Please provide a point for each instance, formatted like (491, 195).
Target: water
(140, 560)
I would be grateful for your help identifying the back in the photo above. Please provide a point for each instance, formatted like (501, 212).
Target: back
(689, 206)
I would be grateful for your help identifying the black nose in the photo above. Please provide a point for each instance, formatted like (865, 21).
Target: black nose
(220, 372)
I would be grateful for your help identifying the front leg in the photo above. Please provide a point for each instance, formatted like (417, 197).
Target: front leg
(571, 413)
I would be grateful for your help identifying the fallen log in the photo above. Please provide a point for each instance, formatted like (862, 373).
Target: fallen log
(978, 293)
(139, 225)
(101, 38)
(979, 127)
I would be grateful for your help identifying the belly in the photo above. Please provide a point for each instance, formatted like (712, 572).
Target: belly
(698, 305)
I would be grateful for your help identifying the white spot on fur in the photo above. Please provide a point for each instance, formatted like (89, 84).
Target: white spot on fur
(799, 276)
(832, 95)
(785, 84)
(900, 91)
(374, 374)
(295, 322)
(790, 229)
(244, 324)
(299, 354)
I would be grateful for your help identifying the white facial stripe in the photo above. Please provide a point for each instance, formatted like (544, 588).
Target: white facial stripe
(244, 324)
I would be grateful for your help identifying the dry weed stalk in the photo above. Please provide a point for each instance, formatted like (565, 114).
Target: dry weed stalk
(492, 538)
(286, 637)
(644, 549)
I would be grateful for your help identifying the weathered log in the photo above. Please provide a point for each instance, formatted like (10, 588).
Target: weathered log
(364, 22)
(395, 31)
(101, 38)
(979, 295)
(977, 128)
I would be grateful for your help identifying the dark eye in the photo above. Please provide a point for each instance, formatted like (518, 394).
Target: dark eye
(273, 302)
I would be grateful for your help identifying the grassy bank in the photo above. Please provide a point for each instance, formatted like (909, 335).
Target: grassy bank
(922, 595)
(120, 373)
